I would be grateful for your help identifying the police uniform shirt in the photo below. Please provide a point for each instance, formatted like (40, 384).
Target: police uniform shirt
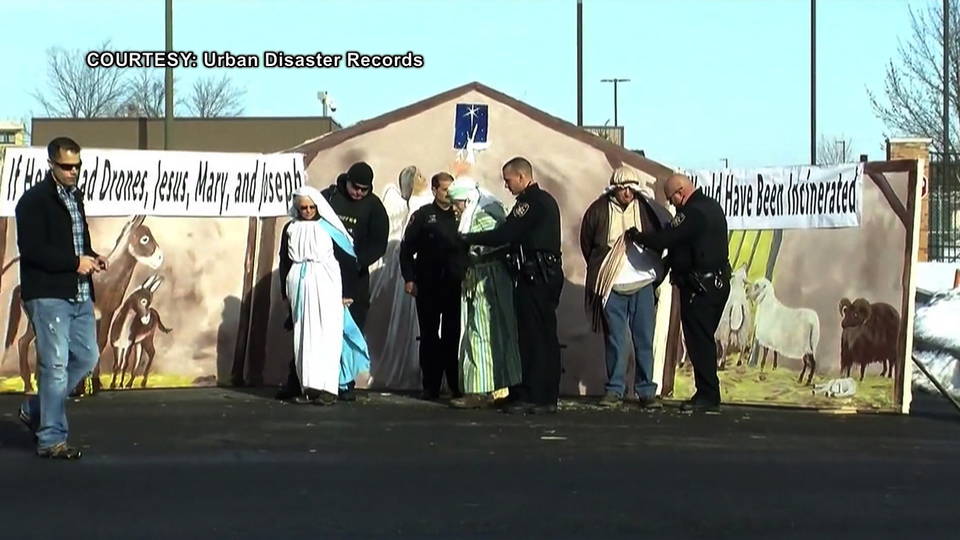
(696, 237)
(533, 224)
(431, 236)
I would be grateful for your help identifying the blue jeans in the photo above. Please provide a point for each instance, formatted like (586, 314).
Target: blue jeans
(67, 351)
(633, 312)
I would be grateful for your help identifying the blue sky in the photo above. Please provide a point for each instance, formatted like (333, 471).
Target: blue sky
(710, 79)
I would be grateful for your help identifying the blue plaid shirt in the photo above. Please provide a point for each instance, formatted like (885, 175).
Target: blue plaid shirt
(69, 198)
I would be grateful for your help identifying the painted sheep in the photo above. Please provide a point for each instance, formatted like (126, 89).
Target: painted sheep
(787, 331)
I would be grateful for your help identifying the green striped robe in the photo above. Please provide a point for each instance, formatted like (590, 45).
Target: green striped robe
(489, 354)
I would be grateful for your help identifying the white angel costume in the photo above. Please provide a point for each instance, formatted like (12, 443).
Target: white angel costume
(398, 363)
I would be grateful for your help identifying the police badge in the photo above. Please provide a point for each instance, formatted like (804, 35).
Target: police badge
(677, 220)
(521, 210)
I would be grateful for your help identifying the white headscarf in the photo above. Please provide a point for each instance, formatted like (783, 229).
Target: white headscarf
(465, 188)
(628, 177)
(324, 210)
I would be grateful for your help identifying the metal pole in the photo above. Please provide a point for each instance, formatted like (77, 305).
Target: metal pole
(615, 122)
(615, 82)
(943, 391)
(580, 62)
(946, 79)
(168, 80)
(813, 82)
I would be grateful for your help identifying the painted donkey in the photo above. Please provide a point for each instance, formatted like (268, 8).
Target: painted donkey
(132, 332)
(134, 245)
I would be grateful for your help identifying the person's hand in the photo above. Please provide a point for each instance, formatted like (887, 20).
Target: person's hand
(347, 302)
(632, 235)
(102, 262)
(87, 265)
(410, 288)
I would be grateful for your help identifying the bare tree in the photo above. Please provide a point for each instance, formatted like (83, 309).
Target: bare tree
(77, 90)
(27, 130)
(833, 150)
(913, 85)
(215, 97)
(145, 94)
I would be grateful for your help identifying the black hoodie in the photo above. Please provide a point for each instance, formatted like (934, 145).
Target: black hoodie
(366, 220)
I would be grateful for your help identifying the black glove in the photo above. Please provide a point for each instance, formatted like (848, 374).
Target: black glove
(633, 235)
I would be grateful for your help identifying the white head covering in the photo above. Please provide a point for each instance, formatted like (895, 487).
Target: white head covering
(465, 188)
(630, 178)
(324, 210)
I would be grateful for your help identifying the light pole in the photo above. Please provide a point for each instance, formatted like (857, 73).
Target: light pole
(168, 78)
(726, 163)
(813, 82)
(615, 83)
(843, 150)
(580, 63)
(946, 79)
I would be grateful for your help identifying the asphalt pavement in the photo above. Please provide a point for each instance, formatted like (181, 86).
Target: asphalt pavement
(234, 463)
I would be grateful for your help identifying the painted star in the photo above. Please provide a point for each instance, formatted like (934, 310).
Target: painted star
(472, 112)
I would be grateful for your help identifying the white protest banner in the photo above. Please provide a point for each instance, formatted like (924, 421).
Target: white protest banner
(786, 197)
(165, 183)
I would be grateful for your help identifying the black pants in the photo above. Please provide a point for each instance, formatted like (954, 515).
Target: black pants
(699, 316)
(438, 312)
(361, 304)
(536, 306)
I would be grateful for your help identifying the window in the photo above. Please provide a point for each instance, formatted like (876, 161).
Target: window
(7, 138)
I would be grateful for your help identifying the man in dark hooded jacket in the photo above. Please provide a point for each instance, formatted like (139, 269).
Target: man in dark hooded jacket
(365, 218)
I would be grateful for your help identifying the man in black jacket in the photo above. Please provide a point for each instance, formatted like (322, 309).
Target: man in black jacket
(365, 218)
(56, 262)
(432, 263)
(696, 241)
(533, 231)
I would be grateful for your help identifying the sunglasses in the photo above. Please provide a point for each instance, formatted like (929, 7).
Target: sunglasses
(68, 166)
(311, 207)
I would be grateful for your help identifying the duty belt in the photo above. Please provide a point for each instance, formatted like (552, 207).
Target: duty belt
(697, 280)
(534, 266)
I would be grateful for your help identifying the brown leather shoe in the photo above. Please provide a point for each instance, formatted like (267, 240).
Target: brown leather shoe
(471, 401)
(650, 403)
(60, 451)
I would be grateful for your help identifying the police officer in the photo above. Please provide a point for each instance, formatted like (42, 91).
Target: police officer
(698, 260)
(533, 231)
(433, 265)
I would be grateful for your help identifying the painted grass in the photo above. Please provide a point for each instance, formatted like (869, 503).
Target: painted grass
(15, 384)
(757, 243)
(745, 385)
